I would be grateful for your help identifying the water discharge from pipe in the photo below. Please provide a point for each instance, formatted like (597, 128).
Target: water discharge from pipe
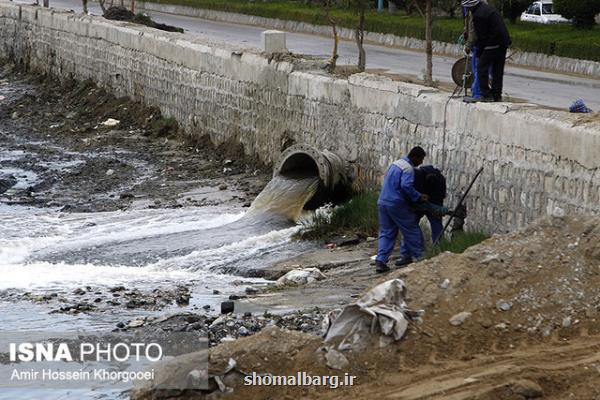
(238, 244)
(285, 195)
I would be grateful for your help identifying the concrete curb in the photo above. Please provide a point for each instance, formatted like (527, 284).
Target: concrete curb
(534, 60)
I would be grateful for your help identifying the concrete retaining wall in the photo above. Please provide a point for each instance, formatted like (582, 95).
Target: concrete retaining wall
(536, 60)
(534, 159)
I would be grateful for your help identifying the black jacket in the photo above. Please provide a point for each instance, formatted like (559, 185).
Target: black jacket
(489, 27)
(430, 181)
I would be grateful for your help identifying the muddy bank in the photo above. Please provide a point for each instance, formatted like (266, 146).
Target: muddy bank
(86, 151)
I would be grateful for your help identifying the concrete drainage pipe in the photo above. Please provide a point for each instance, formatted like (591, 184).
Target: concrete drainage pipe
(334, 172)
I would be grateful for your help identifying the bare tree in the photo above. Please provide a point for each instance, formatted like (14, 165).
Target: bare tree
(102, 5)
(327, 6)
(85, 6)
(361, 7)
(429, 43)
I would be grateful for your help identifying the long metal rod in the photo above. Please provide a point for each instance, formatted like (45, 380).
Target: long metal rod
(467, 60)
(462, 199)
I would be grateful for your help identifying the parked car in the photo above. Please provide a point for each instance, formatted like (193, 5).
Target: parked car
(542, 12)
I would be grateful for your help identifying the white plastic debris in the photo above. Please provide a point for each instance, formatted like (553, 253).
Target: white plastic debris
(380, 312)
(111, 122)
(301, 276)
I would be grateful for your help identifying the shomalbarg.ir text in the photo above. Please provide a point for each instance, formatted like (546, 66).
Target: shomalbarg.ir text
(300, 379)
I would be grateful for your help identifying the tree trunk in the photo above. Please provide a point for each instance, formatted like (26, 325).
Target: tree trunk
(101, 2)
(332, 63)
(133, 6)
(46, 3)
(360, 36)
(428, 43)
(85, 9)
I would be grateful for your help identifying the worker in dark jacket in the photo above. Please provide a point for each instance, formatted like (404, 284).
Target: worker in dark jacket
(396, 213)
(430, 181)
(492, 41)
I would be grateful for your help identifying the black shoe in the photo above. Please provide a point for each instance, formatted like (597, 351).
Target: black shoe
(487, 100)
(380, 267)
(403, 261)
(498, 99)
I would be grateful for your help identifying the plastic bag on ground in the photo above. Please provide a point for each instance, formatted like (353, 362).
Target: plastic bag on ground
(380, 312)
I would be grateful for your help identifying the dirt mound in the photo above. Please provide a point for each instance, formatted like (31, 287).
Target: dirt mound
(540, 281)
(120, 13)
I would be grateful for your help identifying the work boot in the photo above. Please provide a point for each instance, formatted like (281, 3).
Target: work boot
(380, 267)
(401, 262)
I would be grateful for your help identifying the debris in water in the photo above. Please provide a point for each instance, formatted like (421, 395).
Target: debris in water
(227, 307)
(111, 122)
(301, 276)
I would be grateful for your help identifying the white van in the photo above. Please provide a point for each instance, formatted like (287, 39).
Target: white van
(542, 12)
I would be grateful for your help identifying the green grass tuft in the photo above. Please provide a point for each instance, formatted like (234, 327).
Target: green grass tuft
(459, 243)
(357, 216)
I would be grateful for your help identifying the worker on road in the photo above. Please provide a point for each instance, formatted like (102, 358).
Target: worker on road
(491, 40)
(431, 182)
(395, 207)
(470, 37)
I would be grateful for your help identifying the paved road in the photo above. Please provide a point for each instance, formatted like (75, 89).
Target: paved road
(549, 89)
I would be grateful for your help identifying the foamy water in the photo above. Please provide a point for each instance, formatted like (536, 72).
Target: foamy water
(28, 232)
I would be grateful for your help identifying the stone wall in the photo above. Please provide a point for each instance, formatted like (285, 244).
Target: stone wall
(534, 159)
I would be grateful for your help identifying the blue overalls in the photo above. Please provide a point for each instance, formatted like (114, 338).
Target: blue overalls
(475, 90)
(396, 213)
(428, 210)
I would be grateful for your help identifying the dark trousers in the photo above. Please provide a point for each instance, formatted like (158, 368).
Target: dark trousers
(491, 59)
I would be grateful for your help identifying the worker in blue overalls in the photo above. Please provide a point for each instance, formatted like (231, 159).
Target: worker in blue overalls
(396, 212)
